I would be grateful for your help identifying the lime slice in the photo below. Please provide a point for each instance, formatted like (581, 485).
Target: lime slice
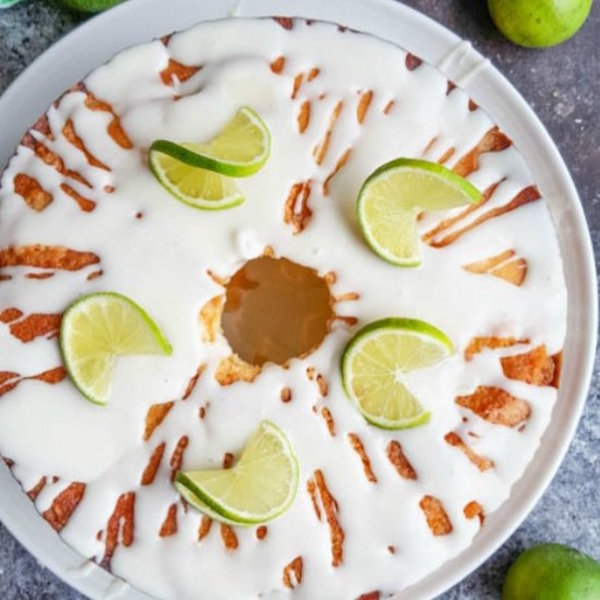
(392, 196)
(194, 501)
(260, 487)
(198, 174)
(240, 150)
(375, 360)
(95, 330)
(197, 187)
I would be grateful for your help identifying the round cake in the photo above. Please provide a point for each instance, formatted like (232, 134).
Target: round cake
(259, 301)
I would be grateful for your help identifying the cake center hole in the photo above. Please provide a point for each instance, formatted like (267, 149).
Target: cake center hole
(275, 310)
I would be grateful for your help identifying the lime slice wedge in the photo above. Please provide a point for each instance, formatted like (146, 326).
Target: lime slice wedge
(260, 487)
(239, 150)
(196, 187)
(194, 501)
(199, 174)
(393, 195)
(95, 330)
(375, 360)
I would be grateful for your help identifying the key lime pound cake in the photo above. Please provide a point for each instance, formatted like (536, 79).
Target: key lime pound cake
(281, 313)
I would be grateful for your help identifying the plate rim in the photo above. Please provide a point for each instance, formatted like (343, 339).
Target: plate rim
(23, 521)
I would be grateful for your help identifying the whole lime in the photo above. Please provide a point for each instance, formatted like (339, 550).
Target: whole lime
(90, 5)
(539, 23)
(552, 572)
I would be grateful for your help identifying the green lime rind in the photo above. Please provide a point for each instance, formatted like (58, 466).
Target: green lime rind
(8, 3)
(204, 156)
(185, 154)
(200, 175)
(91, 6)
(447, 175)
(373, 330)
(403, 324)
(422, 419)
(540, 24)
(217, 508)
(194, 501)
(552, 572)
(230, 201)
(211, 507)
(160, 346)
(188, 154)
(441, 189)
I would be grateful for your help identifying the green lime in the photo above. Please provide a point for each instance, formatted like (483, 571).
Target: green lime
(260, 487)
(194, 501)
(375, 360)
(392, 196)
(239, 150)
(90, 5)
(196, 187)
(539, 23)
(199, 174)
(95, 330)
(8, 3)
(552, 572)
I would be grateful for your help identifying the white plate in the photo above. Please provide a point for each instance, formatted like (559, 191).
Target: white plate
(139, 21)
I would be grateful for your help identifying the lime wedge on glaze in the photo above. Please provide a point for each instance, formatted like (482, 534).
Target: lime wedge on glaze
(98, 328)
(375, 360)
(200, 174)
(239, 150)
(391, 198)
(194, 501)
(260, 487)
(196, 187)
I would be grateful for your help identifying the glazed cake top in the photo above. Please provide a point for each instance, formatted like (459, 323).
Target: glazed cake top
(81, 212)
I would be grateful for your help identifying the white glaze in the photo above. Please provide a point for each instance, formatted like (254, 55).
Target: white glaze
(161, 262)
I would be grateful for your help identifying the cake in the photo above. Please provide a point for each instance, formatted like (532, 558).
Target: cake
(80, 212)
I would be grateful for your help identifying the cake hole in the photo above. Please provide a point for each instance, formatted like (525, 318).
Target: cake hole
(275, 310)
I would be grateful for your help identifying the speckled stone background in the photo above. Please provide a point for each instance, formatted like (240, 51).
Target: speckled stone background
(563, 86)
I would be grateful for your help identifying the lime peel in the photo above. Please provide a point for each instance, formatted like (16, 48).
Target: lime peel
(192, 499)
(392, 196)
(261, 486)
(374, 357)
(222, 189)
(97, 328)
(219, 155)
(200, 175)
(90, 5)
(539, 24)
